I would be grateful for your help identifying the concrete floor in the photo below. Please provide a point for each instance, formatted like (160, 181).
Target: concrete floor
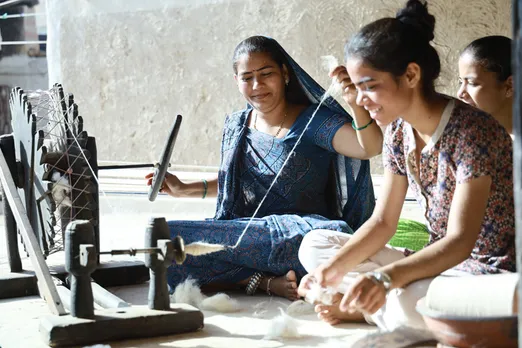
(124, 213)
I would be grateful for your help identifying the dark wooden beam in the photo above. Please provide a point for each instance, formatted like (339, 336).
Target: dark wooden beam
(517, 147)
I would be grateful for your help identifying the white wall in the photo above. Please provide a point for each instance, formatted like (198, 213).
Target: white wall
(134, 64)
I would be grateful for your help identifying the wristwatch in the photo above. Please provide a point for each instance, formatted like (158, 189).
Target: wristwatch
(382, 278)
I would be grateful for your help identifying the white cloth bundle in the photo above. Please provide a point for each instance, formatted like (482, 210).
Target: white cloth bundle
(473, 296)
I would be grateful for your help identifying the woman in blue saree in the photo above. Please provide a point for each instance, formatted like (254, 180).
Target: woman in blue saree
(319, 188)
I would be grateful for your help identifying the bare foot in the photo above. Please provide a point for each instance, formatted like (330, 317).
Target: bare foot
(284, 286)
(333, 314)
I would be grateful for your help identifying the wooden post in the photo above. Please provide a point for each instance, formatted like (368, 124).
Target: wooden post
(7, 147)
(156, 231)
(517, 147)
(80, 262)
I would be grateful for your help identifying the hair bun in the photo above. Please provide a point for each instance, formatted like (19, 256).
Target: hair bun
(416, 14)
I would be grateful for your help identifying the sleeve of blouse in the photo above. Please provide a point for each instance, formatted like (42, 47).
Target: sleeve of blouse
(324, 126)
(393, 150)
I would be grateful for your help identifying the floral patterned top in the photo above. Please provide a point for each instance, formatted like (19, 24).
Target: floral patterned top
(467, 144)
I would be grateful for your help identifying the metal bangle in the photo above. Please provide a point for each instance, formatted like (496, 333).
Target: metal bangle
(380, 278)
(253, 284)
(268, 286)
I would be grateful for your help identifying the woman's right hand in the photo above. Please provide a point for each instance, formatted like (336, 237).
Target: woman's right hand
(349, 92)
(326, 275)
(171, 185)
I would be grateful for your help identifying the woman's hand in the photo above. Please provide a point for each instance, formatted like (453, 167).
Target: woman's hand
(349, 93)
(171, 185)
(367, 295)
(326, 275)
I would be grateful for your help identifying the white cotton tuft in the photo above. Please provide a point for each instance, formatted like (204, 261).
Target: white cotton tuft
(188, 292)
(319, 294)
(300, 307)
(202, 248)
(329, 62)
(220, 303)
(282, 326)
(61, 190)
(260, 309)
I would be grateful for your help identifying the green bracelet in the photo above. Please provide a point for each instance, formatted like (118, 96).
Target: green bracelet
(361, 128)
(205, 188)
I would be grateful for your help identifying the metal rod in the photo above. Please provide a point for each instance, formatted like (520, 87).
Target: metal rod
(12, 43)
(7, 16)
(9, 2)
(127, 166)
(131, 251)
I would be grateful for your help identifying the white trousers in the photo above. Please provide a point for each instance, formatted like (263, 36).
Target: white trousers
(319, 246)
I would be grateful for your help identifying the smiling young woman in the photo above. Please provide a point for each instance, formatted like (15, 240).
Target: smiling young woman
(456, 159)
(485, 78)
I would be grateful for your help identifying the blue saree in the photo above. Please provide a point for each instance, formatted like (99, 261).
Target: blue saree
(318, 189)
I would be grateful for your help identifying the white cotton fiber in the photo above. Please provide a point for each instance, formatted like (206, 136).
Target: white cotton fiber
(188, 292)
(319, 294)
(300, 307)
(282, 326)
(202, 248)
(61, 190)
(220, 303)
(98, 346)
(329, 62)
(261, 309)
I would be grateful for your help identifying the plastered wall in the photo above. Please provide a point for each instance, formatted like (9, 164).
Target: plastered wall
(133, 65)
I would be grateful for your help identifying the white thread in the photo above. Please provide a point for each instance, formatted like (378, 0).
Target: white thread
(70, 124)
(56, 108)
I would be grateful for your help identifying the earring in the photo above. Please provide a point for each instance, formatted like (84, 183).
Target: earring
(287, 81)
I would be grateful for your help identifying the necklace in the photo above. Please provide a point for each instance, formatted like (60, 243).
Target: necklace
(280, 126)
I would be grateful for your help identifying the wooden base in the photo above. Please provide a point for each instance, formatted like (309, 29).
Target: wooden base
(113, 273)
(108, 274)
(119, 323)
(18, 285)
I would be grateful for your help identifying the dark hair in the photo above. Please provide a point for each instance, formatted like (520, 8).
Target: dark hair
(493, 53)
(261, 44)
(390, 44)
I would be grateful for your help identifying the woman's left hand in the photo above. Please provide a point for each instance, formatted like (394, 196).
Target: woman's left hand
(349, 92)
(367, 295)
